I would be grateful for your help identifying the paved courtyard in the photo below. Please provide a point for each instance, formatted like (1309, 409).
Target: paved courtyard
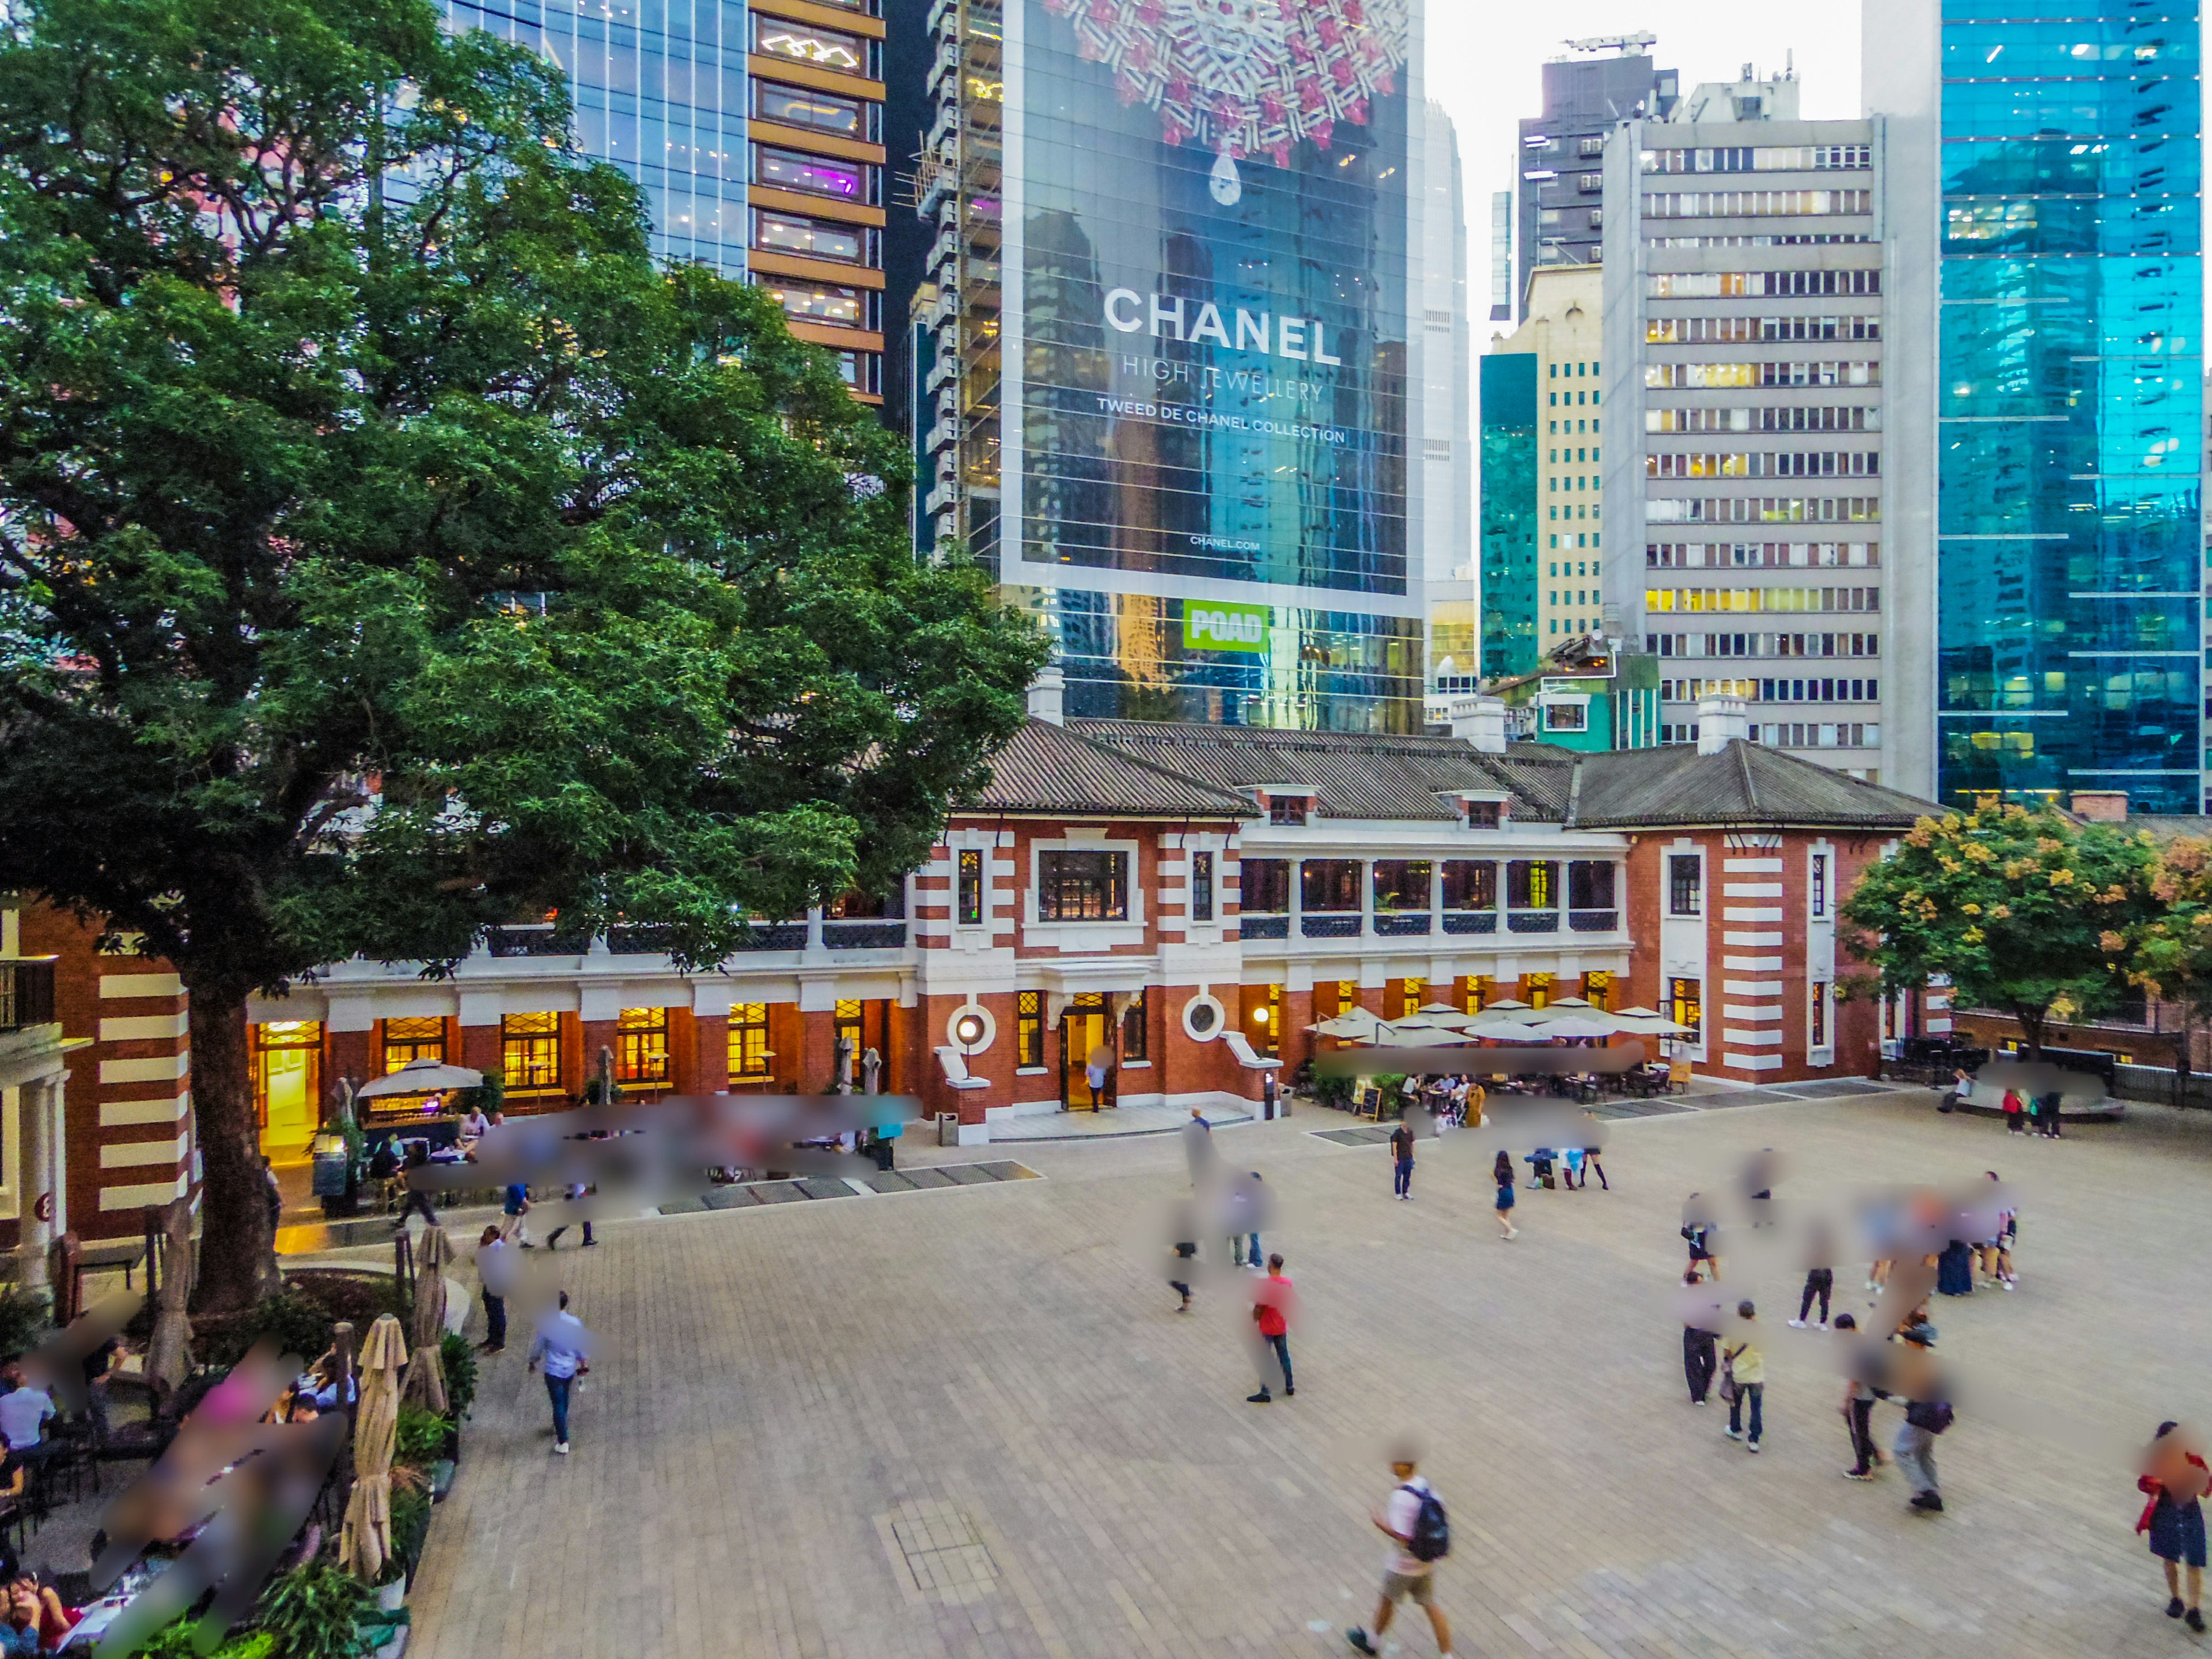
(967, 1421)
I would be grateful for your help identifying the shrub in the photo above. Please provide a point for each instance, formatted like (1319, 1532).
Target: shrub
(1334, 1091)
(341, 1295)
(296, 1323)
(314, 1611)
(460, 1362)
(26, 1319)
(411, 1525)
(421, 1440)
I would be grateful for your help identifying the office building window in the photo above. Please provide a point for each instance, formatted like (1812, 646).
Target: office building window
(529, 1051)
(642, 1045)
(817, 176)
(408, 1039)
(1083, 887)
(749, 1050)
(826, 303)
(812, 238)
(805, 43)
(1201, 887)
(1686, 880)
(1686, 1007)
(1401, 884)
(1329, 884)
(1470, 884)
(801, 107)
(970, 897)
(1263, 886)
(1528, 883)
(1029, 1028)
(1135, 1034)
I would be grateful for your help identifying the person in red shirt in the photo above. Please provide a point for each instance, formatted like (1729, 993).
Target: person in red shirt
(1272, 1300)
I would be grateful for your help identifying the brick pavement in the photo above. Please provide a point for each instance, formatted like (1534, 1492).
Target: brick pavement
(952, 1423)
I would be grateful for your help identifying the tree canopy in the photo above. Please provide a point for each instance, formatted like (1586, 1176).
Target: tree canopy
(2019, 909)
(389, 548)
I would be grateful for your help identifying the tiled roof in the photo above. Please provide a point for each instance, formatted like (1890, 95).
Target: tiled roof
(1048, 768)
(1744, 783)
(1355, 775)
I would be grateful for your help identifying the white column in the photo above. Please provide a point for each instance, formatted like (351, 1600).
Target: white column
(1436, 906)
(35, 1135)
(1297, 924)
(1367, 898)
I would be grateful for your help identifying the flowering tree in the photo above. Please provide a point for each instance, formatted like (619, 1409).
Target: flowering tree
(2024, 910)
(2168, 952)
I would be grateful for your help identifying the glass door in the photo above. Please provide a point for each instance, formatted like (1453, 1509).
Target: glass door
(1086, 1051)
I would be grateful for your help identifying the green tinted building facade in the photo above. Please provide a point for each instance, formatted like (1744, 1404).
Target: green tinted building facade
(1509, 645)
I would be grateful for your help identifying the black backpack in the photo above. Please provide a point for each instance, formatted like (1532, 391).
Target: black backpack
(1933, 1415)
(1431, 1537)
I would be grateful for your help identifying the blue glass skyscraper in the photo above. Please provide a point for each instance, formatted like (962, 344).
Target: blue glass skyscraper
(2048, 159)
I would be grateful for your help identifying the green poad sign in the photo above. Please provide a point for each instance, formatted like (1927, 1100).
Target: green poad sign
(1208, 625)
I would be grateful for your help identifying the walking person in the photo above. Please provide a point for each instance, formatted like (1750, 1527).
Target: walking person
(2015, 1111)
(491, 1269)
(1592, 1165)
(1821, 1282)
(1401, 1159)
(1184, 1262)
(1925, 1417)
(1421, 1536)
(1502, 1172)
(1700, 1354)
(418, 1201)
(1254, 1216)
(514, 1204)
(578, 1191)
(2051, 1103)
(562, 1347)
(1271, 1301)
(1745, 1366)
(2174, 1476)
(1697, 1234)
(1858, 1414)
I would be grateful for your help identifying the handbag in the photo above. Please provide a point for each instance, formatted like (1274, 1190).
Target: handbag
(1730, 1391)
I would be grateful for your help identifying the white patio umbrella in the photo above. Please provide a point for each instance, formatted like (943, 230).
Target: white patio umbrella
(1567, 1002)
(1431, 1020)
(1637, 1013)
(421, 1076)
(1507, 1030)
(1353, 1023)
(1502, 1002)
(1419, 1036)
(1575, 1026)
(1444, 1008)
(1639, 1023)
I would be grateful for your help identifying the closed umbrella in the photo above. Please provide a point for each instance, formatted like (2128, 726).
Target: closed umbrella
(426, 1323)
(421, 1076)
(365, 1544)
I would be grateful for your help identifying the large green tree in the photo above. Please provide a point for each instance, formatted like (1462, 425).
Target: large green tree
(390, 549)
(2019, 907)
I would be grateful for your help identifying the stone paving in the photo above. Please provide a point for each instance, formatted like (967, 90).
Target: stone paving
(921, 1424)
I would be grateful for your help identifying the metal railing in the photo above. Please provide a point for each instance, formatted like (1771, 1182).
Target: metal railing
(1470, 921)
(1391, 923)
(26, 992)
(1532, 921)
(1264, 926)
(534, 939)
(1330, 924)
(864, 935)
(1593, 921)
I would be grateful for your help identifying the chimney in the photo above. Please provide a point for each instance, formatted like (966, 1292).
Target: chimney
(1720, 722)
(2101, 806)
(1482, 721)
(1049, 693)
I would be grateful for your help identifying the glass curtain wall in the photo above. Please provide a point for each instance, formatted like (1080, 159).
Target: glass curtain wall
(2070, 401)
(1508, 513)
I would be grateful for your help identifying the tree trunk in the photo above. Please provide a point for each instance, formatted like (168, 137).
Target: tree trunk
(238, 1247)
(2031, 1031)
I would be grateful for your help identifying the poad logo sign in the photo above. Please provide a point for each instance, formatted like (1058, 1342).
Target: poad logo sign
(1211, 626)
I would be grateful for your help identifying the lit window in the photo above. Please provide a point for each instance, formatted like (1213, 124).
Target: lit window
(1029, 1028)
(1083, 887)
(529, 1051)
(800, 107)
(1135, 1030)
(819, 302)
(642, 1045)
(813, 238)
(817, 176)
(408, 1039)
(803, 43)
(971, 887)
(1685, 1006)
(1201, 887)
(749, 1050)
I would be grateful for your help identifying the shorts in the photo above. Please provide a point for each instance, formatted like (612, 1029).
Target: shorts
(2177, 1532)
(1397, 1586)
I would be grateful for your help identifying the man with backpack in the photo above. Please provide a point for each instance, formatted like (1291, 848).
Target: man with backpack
(1421, 1536)
(1401, 1158)
(1925, 1417)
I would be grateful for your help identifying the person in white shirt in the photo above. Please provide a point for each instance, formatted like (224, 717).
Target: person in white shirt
(1404, 1573)
(24, 1411)
(563, 1347)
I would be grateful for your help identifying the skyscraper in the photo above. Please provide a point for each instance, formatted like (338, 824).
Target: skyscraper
(2044, 207)
(1744, 474)
(1179, 359)
(757, 135)
(1601, 83)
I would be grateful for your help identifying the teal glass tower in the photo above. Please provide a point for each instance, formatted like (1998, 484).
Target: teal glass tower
(2068, 401)
(1508, 513)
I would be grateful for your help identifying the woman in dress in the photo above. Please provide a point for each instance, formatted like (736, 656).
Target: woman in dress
(1502, 1174)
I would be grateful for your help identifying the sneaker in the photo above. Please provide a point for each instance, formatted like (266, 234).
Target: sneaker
(2174, 1609)
(1822, 1326)
(2012, 1284)
(1797, 1324)
(1752, 1446)
(1734, 1434)
(492, 1347)
(1697, 1402)
(560, 1449)
(591, 1243)
(1258, 1399)
(1358, 1640)
(1858, 1475)
(2195, 1620)
(1290, 1394)
(1928, 1501)
(1513, 1232)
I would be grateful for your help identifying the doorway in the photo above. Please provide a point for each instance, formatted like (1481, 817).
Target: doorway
(1084, 1037)
(287, 1079)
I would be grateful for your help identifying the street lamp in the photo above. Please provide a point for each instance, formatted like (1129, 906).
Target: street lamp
(968, 1031)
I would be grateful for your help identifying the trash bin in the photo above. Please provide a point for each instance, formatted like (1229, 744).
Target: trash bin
(948, 1128)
